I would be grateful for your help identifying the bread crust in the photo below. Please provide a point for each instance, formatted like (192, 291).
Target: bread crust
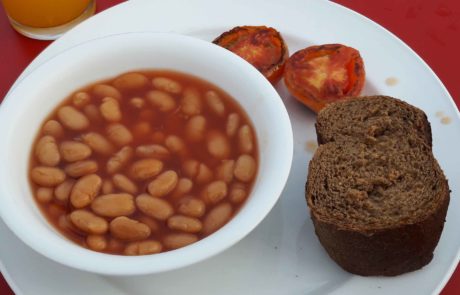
(388, 252)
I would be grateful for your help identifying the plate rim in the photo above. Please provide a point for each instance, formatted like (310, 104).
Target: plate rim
(38, 60)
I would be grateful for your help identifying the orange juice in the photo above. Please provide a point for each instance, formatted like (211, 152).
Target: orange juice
(44, 13)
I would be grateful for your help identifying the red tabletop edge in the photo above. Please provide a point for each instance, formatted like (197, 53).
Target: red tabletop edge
(430, 28)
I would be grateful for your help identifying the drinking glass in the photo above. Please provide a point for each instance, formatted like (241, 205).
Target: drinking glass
(47, 19)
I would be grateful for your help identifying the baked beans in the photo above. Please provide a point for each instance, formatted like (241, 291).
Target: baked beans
(143, 163)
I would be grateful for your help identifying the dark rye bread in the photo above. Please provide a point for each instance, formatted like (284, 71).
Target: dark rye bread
(379, 204)
(370, 116)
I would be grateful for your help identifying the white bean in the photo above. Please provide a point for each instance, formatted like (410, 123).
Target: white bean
(183, 187)
(197, 171)
(130, 81)
(110, 109)
(163, 184)
(103, 90)
(113, 205)
(96, 242)
(150, 222)
(218, 145)
(225, 171)
(245, 168)
(167, 84)
(88, 222)
(125, 184)
(44, 194)
(184, 223)
(204, 174)
(237, 193)
(73, 151)
(80, 168)
(72, 118)
(191, 103)
(47, 151)
(65, 223)
(47, 176)
(176, 145)
(145, 169)
(217, 217)
(81, 99)
(175, 241)
(53, 128)
(214, 192)
(119, 160)
(128, 229)
(85, 190)
(107, 187)
(190, 168)
(119, 134)
(137, 102)
(154, 207)
(163, 101)
(62, 191)
(195, 128)
(233, 122)
(143, 248)
(92, 112)
(153, 151)
(245, 139)
(215, 103)
(192, 207)
(98, 143)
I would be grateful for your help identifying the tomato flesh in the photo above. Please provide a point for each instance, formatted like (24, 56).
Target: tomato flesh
(319, 75)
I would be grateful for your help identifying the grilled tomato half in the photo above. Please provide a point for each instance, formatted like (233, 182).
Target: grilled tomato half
(261, 46)
(319, 75)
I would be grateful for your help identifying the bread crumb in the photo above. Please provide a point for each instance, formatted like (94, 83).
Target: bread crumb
(311, 146)
(446, 120)
(439, 114)
(391, 81)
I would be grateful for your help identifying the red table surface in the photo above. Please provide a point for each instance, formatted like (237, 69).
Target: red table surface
(431, 28)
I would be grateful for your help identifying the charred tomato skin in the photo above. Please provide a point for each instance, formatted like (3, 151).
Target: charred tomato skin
(261, 46)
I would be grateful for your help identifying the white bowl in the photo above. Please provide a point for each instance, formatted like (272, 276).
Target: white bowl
(34, 97)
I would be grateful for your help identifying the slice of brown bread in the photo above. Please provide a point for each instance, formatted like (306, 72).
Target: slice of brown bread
(378, 208)
(370, 117)
(378, 201)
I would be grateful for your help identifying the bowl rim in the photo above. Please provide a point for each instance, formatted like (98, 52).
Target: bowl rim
(201, 250)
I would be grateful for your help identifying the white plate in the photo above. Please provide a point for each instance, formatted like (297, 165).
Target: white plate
(282, 256)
